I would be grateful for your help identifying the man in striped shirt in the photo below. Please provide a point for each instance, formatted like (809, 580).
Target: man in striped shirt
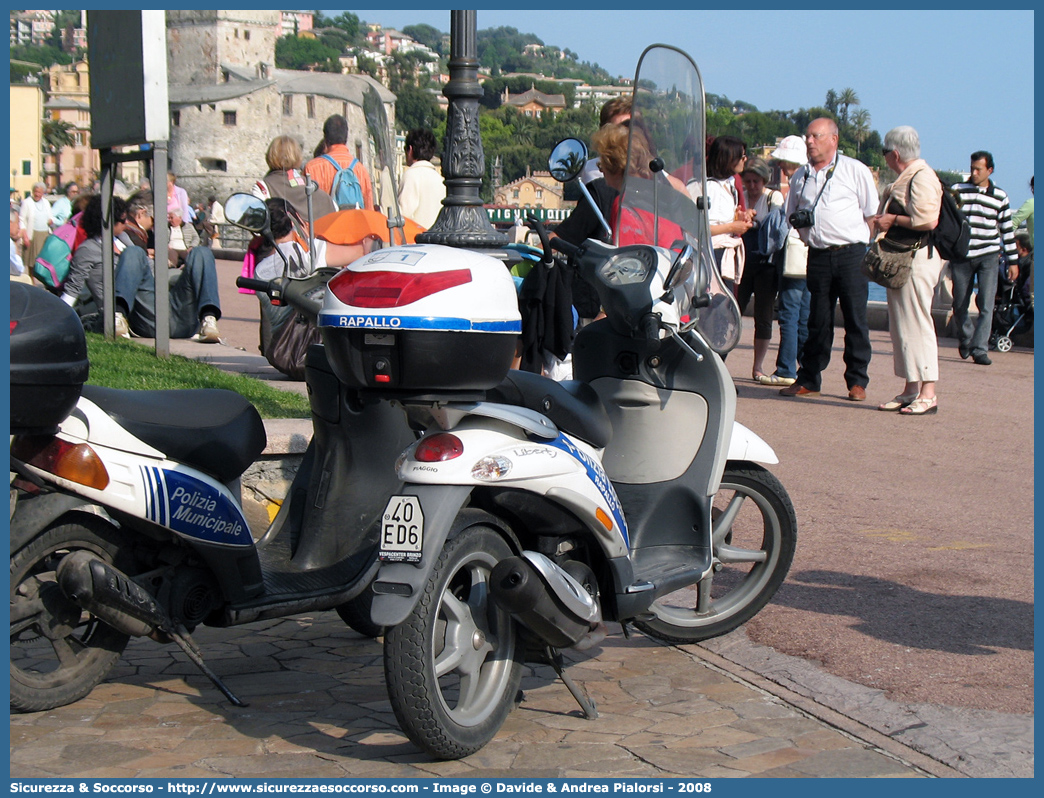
(992, 237)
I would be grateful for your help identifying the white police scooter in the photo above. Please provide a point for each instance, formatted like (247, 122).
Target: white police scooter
(533, 511)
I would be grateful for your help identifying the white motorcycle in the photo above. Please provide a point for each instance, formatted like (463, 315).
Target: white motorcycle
(532, 511)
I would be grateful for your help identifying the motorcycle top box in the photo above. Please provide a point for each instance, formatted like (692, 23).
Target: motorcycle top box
(48, 360)
(422, 318)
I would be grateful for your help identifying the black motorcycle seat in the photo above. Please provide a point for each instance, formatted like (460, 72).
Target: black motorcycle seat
(573, 406)
(218, 432)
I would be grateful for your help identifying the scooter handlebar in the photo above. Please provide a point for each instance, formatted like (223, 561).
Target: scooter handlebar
(651, 327)
(264, 286)
(541, 231)
(563, 246)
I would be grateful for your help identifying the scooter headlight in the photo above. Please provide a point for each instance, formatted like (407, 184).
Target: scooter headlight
(627, 268)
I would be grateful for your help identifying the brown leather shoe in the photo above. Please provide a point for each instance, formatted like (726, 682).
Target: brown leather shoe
(798, 390)
(857, 393)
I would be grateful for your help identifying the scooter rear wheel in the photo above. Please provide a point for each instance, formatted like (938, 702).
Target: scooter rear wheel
(59, 653)
(453, 667)
(754, 536)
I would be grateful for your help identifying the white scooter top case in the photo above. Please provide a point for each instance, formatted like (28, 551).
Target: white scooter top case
(421, 317)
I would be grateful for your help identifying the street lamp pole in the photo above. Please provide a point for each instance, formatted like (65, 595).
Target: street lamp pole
(463, 221)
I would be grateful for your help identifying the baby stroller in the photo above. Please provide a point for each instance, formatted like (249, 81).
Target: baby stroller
(1012, 314)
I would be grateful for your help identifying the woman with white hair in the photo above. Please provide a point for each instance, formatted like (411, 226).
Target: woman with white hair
(909, 211)
(34, 224)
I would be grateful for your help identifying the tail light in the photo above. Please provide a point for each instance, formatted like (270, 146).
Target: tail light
(393, 289)
(76, 462)
(438, 448)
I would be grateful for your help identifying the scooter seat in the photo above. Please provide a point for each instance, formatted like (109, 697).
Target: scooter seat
(572, 405)
(218, 432)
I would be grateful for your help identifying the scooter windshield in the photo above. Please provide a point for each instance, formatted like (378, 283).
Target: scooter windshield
(662, 201)
(387, 197)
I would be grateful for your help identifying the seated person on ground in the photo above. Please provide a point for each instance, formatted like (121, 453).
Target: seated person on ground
(85, 266)
(194, 303)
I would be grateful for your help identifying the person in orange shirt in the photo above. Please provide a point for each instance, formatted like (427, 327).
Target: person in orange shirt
(335, 135)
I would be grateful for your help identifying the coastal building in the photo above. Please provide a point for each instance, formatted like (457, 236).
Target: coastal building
(599, 95)
(31, 27)
(535, 103)
(534, 190)
(26, 144)
(68, 100)
(292, 23)
(228, 101)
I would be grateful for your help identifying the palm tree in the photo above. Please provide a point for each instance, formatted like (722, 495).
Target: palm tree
(846, 98)
(57, 135)
(523, 130)
(831, 101)
(860, 127)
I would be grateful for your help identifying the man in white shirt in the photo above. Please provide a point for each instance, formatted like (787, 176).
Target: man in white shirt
(831, 199)
(422, 189)
(34, 223)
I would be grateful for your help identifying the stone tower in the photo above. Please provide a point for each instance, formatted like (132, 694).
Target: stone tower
(199, 42)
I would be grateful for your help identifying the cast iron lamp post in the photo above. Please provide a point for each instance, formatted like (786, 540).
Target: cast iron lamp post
(463, 221)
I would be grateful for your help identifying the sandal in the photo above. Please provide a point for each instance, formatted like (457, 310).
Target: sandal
(901, 401)
(775, 379)
(921, 407)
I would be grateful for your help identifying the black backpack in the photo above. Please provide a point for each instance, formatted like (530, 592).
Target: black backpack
(951, 236)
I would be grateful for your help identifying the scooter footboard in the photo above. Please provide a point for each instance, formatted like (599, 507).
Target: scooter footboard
(398, 585)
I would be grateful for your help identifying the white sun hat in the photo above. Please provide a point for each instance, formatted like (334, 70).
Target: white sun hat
(791, 149)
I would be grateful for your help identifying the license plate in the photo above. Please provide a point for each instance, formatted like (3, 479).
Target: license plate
(402, 530)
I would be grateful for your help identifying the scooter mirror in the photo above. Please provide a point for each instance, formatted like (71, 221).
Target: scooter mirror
(247, 211)
(567, 160)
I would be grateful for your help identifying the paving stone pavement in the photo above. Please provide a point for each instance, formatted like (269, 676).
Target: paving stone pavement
(318, 706)
(318, 709)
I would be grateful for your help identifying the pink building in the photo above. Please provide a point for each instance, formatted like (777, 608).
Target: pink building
(295, 22)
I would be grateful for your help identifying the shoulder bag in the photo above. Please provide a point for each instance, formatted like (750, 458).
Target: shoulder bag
(889, 261)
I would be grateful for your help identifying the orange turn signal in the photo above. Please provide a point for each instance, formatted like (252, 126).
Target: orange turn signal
(76, 462)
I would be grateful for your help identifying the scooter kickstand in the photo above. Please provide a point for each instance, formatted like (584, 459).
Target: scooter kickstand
(181, 636)
(554, 656)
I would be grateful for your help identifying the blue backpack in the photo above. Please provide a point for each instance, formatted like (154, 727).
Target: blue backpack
(346, 191)
(772, 233)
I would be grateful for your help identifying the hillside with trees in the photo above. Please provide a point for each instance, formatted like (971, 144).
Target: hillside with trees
(517, 142)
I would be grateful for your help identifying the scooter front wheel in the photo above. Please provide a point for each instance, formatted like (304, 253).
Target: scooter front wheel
(453, 667)
(59, 652)
(754, 536)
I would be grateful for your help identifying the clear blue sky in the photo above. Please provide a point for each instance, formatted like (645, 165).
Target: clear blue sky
(908, 67)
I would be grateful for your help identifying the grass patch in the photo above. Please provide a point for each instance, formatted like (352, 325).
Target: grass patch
(125, 364)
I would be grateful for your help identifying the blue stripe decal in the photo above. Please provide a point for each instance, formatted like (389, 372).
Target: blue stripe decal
(597, 475)
(356, 321)
(144, 473)
(162, 502)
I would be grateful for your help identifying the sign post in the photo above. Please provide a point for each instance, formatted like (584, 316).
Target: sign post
(127, 51)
